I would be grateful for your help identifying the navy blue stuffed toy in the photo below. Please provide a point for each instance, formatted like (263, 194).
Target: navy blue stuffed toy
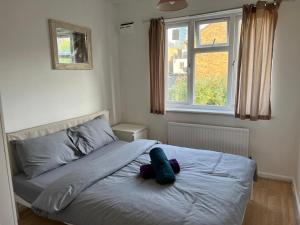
(163, 171)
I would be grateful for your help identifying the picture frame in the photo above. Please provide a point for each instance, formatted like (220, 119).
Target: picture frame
(71, 46)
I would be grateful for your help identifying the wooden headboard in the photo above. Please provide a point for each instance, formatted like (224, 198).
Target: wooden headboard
(45, 130)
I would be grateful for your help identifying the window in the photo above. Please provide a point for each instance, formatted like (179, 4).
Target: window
(200, 63)
(175, 34)
(65, 46)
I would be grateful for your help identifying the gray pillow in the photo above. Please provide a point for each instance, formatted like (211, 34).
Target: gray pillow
(41, 154)
(92, 135)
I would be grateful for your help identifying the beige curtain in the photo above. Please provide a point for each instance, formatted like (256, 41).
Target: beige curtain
(255, 61)
(157, 61)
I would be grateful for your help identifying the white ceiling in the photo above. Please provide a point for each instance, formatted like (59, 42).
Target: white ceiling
(126, 1)
(129, 1)
(121, 1)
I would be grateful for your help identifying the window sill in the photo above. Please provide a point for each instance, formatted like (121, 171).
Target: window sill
(201, 111)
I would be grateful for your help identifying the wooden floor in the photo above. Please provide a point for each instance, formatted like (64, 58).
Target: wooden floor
(273, 204)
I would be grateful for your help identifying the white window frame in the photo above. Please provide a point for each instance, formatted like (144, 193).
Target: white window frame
(233, 17)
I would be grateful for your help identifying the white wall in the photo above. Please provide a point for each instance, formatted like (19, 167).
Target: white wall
(32, 92)
(273, 143)
(7, 208)
(297, 178)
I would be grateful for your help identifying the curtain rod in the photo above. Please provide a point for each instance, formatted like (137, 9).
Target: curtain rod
(196, 15)
(211, 12)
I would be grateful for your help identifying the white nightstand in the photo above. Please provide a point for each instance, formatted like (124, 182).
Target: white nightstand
(130, 132)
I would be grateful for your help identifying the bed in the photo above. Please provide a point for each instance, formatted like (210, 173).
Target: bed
(104, 187)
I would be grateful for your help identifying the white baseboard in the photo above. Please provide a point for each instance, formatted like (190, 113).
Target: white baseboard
(275, 176)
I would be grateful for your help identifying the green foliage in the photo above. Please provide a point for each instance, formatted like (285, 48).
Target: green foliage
(178, 91)
(210, 90)
(64, 45)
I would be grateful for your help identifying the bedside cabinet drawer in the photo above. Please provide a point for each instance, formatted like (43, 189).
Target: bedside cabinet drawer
(141, 135)
(129, 137)
(124, 136)
(130, 132)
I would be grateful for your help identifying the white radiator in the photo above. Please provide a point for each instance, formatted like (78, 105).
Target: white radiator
(223, 139)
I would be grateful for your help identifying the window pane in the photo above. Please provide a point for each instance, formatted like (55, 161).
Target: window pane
(211, 76)
(211, 34)
(64, 49)
(177, 64)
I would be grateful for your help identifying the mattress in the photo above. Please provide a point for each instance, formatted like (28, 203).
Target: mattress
(212, 188)
(30, 189)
